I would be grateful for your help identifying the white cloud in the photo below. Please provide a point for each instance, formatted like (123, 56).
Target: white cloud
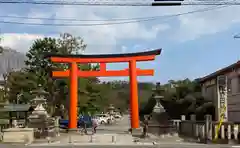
(196, 25)
(20, 42)
(161, 27)
(187, 27)
(100, 39)
(123, 49)
(104, 39)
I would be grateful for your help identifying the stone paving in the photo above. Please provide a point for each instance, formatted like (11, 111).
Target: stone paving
(106, 134)
(116, 133)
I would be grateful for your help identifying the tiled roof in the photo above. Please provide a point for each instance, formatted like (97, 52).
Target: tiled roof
(220, 72)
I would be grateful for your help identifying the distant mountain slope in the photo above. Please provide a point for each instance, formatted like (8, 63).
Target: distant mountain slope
(10, 60)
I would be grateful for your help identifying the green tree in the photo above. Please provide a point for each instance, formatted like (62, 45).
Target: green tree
(42, 67)
(2, 95)
(20, 82)
(182, 97)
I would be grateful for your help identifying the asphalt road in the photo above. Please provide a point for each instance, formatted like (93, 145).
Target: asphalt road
(119, 127)
(126, 146)
(98, 146)
(166, 145)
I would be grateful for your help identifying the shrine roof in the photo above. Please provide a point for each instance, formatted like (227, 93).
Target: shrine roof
(145, 53)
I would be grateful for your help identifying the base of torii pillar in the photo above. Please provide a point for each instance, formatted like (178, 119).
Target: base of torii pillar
(73, 130)
(136, 132)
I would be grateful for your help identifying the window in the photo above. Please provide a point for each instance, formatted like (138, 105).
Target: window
(238, 83)
(210, 92)
(229, 85)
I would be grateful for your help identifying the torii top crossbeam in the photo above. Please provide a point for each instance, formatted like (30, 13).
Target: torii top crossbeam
(104, 58)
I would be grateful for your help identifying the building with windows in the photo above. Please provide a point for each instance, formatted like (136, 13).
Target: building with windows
(223, 88)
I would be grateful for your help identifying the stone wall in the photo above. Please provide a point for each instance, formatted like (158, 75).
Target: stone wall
(18, 135)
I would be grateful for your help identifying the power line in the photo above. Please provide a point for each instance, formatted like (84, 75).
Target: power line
(103, 20)
(76, 20)
(74, 3)
(146, 19)
(234, 3)
(120, 3)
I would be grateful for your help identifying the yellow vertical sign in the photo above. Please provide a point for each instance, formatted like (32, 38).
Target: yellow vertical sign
(222, 116)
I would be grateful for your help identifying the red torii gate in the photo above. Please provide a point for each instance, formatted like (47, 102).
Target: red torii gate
(133, 72)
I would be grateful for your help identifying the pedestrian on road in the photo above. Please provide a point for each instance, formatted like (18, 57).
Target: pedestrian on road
(94, 125)
(145, 126)
(83, 125)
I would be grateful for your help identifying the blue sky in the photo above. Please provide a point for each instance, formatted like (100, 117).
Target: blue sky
(192, 45)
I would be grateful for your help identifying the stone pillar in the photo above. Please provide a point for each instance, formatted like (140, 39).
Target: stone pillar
(183, 117)
(181, 124)
(193, 117)
(57, 129)
(208, 128)
(193, 124)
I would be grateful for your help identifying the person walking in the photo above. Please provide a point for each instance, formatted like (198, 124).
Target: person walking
(145, 126)
(94, 125)
(83, 125)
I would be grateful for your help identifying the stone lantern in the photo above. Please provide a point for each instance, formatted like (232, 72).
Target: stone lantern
(40, 94)
(39, 113)
(157, 95)
(159, 115)
(111, 109)
(39, 119)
